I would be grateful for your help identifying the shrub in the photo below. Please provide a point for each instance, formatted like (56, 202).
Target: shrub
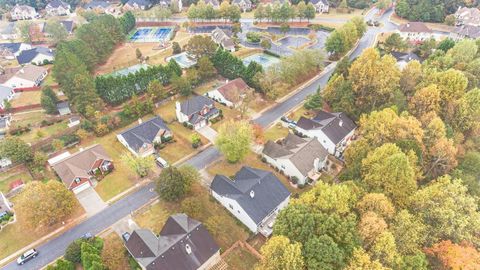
(253, 37)
(294, 180)
(73, 252)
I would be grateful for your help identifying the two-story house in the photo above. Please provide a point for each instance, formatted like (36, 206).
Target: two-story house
(137, 4)
(467, 16)
(299, 158)
(321, 6)
(223, 39)
(23, 12)
(253, 196)
(141, 139)
(77, 170)
(333, 130)
(57, 8)
(196, 111)
(231, 93)
(415, 32)
(9, 51)
(244, 5)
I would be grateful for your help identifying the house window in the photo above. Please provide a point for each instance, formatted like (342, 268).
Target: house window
(282, 166)
(229, 205)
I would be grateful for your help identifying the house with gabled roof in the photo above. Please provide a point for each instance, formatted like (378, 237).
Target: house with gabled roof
(321, 6)
(222, 38)
(231, 93)
(299, 158)
(23, 77)
(137, 4)
(6, 94)
(404, 58)
(37, 56)
(78, 170)
(196, 111)
(23, 12)
(415, 31)
(467, 16)
(11, 50)
(333, 130)
(57, 8)
(141, 139)
(214, 3)
(253, 196)
(465, 31)
(183, 244)
(244, 5)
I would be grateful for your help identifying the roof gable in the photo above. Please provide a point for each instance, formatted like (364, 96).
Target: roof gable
(336, 126)
(233, 90)
(418, 27)
(144, 133)
(194, 104)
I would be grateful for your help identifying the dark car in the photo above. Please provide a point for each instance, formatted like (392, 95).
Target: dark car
(27, 256)
(126, 236)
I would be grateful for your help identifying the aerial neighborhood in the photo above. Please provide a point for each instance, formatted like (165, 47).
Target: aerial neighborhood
(239, 134)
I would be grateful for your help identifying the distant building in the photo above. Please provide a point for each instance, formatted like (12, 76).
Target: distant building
(214, 3)
(321, 6)
(9, 32)
(231, 93)
(404, 58)
(23, 77)
(37, 56)
(23, 12)
(244, 5)
(57, 8)
(100, 6)
(196, 111)
(415, 31)
(223, 39)
(465, 31)
(333, 130)
(10, 51)
(6, 94)
(137, 4)
(183, 243)
(253, 196)
(467, 16)
(63, 108)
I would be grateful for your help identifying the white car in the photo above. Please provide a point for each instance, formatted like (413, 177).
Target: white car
(162, 163)
(27, 256)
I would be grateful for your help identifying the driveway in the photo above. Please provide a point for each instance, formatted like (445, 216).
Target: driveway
(208, 133)
(91, 202)
(126, 224)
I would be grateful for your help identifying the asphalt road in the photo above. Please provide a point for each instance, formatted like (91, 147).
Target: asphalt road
(56, 247)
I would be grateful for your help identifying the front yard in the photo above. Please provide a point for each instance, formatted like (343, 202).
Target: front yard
(275, 132)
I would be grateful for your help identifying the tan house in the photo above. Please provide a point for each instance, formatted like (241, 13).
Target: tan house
(231, 93)
(23, 77)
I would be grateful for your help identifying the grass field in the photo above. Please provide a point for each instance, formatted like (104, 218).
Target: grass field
(275, 132)
(228, 113)
(26, 98)
(240, 259)
(227, 232)
(18, 173)
(39, 133)
(182, 146)
(28, 118)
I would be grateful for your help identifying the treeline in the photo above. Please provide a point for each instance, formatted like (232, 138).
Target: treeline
(117, 89)
(340, 41)
(76, 59)
(428, 10)
(232, 67)
(202, 11)
(284, 12)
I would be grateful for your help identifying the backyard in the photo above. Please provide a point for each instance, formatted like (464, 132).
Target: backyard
(240, 259)
(26, 98)
(16, 173)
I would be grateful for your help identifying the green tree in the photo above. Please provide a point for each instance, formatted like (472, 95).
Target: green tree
(377, 203)
(234, 140)
(56, 30)
(394, 42)
(266, 44)
(384, 249)
(176, 48)
(361, 260)
(280, 253)
(140, 165)
(409, 233)
(199, 46)
(155, 89)
(323, 253)
(49, 100)
(138, 54)
(61, 264)
(446, 44)
(206, 69)
(314, 102)
(24, 29)
(173, 184)
(182, 85)
(310, 12)
(16, 150)
(73, 252)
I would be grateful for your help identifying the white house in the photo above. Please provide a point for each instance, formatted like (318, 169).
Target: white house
(23, 77)
(333, 130)
(297, 157)
(231, 94)
(23, 12)
(141, 139)
(6, 94)
(244, 5)
(37, 56)
(415, 31)
(5, 206)
(253, 196)
(196, 111)
(57, 8)
(467, 16)
(223, 39)
(214, 3)
(321, 6)
(137, 4)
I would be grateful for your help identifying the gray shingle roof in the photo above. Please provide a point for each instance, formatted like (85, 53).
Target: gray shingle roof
(467, 31)
(68, 25)
(407, 57)
(12, 47)
(144, 3)
(57, 4)
(96, 4)
(27, 56)
(143, 133)
(194, 104)
(269, 192)
(334, 125)
(168, 251)
(5, 91)
(301, 152)
(325, 2)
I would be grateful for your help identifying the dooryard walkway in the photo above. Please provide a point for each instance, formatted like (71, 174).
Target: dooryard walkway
(91, 201)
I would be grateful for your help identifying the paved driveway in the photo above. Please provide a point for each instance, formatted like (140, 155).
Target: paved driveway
(91, 202)
(208, 133)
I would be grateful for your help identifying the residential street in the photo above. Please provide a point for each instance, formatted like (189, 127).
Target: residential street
(55, 248)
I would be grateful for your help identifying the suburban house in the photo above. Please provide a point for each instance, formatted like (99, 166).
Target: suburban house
(404, 58)
(23, 77)
(57, 8)
(321, 6)
(415, 31)
(298, 158)
(465, 31)
(253, 196)
(183, 243)
(37, 56)
(223, 39)
(231, 94)
(177, 4)
(137, 4)
(467, 16)
(63, 108)
(5, 207)
(78, 170)
(23, 12)
(6, 94)
(100, 6)
(9, 32)
(141, 139)
(69, 25)
(196, 111)
(244, 5)
(11, 50)
(333, 130)
(214, 3)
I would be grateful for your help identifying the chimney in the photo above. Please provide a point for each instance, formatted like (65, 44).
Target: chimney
(252, 194)
(139, 121)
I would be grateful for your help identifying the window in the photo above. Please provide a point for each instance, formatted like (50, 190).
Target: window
(229, 205)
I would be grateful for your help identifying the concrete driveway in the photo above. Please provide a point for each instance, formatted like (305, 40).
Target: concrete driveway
(126, 224)
(208, 133)
(91, 201)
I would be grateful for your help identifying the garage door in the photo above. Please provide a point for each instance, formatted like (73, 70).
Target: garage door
(81, 188)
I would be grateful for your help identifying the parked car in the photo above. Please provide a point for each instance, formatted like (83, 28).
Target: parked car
(87, 236)
(125, 236)
(286, 120)
(162, 163)
(27, 256)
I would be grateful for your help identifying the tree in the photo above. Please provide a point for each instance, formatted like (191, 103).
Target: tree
(280, 253)
(284, 28)
(384, 249)
(58, 144)
(314, 102)
(310, 12)
(73, 252)
(377, 203)
(61, 264)
(113, 254)
(394, 42)
(182, 85)
(425, 100)
(176, 48)
(447, 255)
(49, 100)
(265, 44)
(199, 46)
(361, 260)
(447, 210)
(446, 44)
(411, 76)
(463, 52)
(173, 184)
(234, 140)
(56, 30)
(24, 29)
(16, 150)
(138, 54)
(90, 256)
(42, 205)
(205, 68)
(323, 253)
(155, 89)
(409, 232)
(140, 165)
(387, 169)
(370, 227)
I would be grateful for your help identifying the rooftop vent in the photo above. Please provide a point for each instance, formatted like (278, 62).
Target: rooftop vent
(188, 249)
(252, 193)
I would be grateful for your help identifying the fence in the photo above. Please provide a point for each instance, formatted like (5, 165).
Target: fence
(244, 245)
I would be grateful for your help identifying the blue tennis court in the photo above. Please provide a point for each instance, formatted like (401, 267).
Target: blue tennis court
(151, 34)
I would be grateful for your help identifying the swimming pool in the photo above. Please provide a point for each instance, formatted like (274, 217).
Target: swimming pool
(263, 59)
(183, 60)
(128, 70)
(151, 34)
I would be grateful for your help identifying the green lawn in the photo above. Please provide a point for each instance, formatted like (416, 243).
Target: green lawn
(275, 132)
(27, 118)
(182, 145)
(39, 133)
(12, 175)
(228, 113)
(241, 259)
(167, 110)
(208, 86)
